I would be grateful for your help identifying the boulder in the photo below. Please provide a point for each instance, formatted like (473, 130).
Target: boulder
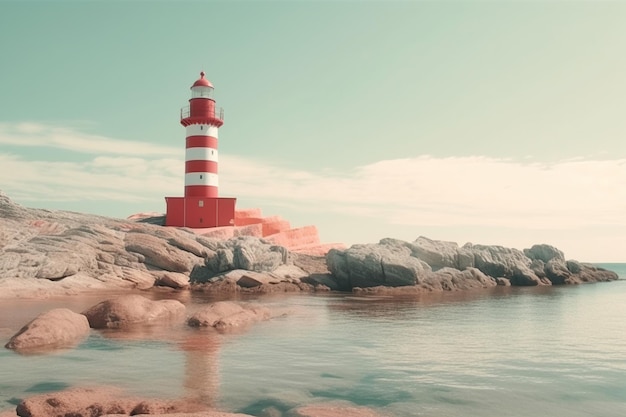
(254, 279)
(244, 252)
(228, 314)
(58, 328)
(436, 253)
(498, 261)
(556, 271)
(450, 279)
(255, 255)
(545, 253)
(583, 272)
(132, 309)
(171, 279)
(372, 265)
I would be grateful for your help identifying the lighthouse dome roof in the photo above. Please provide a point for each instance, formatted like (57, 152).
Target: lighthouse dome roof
(202, 82)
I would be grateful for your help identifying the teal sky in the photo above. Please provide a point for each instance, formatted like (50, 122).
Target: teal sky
(491, 122)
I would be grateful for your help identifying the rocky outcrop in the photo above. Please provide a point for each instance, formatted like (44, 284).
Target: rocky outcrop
(131, 310)
(55, 329)
(224, 315)
(45, 253)
(428, 265)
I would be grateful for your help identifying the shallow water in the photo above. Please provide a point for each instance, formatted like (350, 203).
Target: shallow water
(501, 352)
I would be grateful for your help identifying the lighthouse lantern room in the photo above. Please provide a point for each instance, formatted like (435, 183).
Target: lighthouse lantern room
(201, 207)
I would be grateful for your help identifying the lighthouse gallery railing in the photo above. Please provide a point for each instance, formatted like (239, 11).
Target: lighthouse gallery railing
(184, 113)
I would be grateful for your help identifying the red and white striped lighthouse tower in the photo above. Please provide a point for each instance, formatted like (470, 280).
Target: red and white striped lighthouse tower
(201, 207)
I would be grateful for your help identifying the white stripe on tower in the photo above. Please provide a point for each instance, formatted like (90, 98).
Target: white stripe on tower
(201, 159)
(201, 154)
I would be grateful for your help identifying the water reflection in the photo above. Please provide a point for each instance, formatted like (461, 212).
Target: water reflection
(202, 366)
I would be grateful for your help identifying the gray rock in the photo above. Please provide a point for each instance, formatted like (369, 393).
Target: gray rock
(375, 264)
(545, 253)
(556, 271)
(592, 273)
(160, 254)
(498, 261)
(58, 328)
(439, 254)
(244, 252)
(451, 279)
(76, 251)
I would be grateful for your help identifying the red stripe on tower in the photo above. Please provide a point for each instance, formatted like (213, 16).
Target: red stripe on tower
(201, 142)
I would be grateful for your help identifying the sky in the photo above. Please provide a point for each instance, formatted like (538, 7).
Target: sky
(470, 121)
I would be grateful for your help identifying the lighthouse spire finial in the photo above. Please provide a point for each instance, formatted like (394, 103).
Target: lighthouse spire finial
(202, 74)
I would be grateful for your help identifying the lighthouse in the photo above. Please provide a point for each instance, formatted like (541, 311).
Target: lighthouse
(201, 206)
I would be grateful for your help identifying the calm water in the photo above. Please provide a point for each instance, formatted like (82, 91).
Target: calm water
(508, 352)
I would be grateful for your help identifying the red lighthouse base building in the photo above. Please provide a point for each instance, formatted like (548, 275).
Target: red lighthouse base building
(201, 207)
(200, 212)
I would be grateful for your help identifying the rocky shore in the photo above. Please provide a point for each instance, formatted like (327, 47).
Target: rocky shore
(45, 253)
(58, 253)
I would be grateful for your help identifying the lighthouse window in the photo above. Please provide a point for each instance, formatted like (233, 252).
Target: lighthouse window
(200, 176)
(201, 127)
(200, 203)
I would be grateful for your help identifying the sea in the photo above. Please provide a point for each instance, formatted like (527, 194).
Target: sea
(507, 351)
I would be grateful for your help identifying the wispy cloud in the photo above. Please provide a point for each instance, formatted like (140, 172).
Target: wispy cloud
(49, 136)
(422, 190)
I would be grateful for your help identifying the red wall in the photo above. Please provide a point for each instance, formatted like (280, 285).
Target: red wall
(187, 212)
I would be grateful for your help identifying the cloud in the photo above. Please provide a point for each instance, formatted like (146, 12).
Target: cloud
(417, 191)
(453, 191)
(49, 136)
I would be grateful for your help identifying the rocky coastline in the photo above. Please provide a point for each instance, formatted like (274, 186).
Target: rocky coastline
(46, 253)
(58, 253)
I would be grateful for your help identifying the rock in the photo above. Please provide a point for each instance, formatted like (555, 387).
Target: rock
(171, 279)
(98, 401)
(590, 273)
(158, 254)
(323, 281)
(504, 282)
(58, 328)
(332, 410)
(42, 246)
(556, 271)
(254, 279)
(450, 279)
(129, 310)
(545, 253)
(538, 267)
(574, 267)
(438, 254)
(244, 252)
(254, 255)
(375, 264)
(227, 314)
(498, 261)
